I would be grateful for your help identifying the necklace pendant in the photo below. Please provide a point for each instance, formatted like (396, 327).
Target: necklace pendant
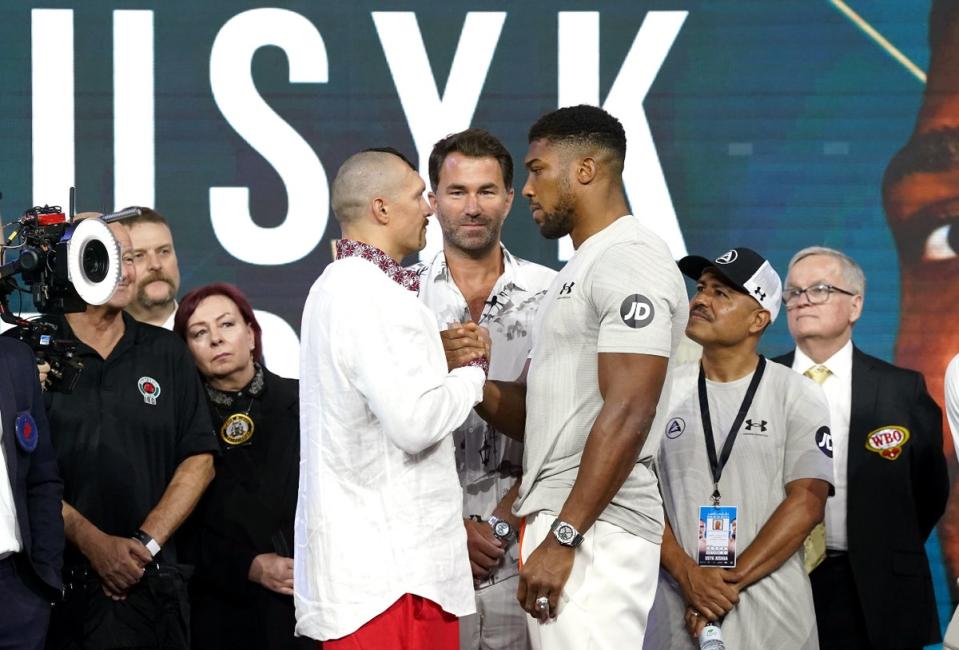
(237, 429)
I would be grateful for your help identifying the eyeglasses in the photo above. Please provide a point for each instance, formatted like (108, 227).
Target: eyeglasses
(816, 294)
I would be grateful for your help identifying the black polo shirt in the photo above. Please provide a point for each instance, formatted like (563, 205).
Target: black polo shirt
(130, 422)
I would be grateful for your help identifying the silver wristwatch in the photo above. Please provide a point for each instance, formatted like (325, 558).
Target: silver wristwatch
(566, 534)
(502, 529)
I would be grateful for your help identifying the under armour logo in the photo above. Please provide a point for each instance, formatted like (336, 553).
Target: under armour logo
(567, 289)
(761, 425)
(759, 293)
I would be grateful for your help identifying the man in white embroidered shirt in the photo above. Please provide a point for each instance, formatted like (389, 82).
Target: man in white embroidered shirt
(380, 558)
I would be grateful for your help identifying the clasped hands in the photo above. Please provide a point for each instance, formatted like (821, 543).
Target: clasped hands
(709, 593)
(464, 343)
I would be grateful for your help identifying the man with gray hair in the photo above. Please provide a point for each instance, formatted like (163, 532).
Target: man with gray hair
(381, 558)
(873, 589)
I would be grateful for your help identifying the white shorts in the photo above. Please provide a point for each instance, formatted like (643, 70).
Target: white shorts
(606, 601)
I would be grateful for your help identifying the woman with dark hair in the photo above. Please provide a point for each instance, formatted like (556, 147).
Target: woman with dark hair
(243, 585)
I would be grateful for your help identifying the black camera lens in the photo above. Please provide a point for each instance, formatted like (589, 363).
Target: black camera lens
(95, 261)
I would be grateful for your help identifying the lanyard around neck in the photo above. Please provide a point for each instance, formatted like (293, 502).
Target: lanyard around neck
(716, 465)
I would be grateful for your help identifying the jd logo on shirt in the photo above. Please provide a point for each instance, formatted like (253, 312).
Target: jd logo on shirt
(637, 311)
(824, 441)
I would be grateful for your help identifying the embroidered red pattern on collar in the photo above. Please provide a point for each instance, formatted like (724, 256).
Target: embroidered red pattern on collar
(404, 277)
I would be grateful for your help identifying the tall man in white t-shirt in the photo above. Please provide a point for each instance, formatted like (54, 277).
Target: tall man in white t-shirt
(891, 481)
(745, 466)
(601, 346)
(474, 278)
(380, 559)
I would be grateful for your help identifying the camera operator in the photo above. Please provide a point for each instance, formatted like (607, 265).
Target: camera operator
(135, 447)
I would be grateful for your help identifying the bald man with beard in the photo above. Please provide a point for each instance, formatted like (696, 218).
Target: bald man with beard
(381, 559)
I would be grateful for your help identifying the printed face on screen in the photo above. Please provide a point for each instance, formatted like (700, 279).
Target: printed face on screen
(471, 202)
(921, 200)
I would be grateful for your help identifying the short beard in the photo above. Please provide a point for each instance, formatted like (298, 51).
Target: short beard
(472, 247)
(559, 222)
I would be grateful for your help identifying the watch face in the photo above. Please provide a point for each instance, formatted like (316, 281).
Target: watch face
(565, 533)
(502, 529)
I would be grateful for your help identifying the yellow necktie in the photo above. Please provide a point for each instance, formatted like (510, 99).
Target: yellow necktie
(814, 546)
(818, 374)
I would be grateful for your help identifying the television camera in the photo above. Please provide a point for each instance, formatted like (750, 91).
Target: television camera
(64, 265)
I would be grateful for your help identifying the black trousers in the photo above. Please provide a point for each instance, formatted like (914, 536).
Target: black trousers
(838, 611)
(155, 614)
(24, 614)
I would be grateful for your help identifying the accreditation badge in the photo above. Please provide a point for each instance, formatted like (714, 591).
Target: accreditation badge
(717, 536)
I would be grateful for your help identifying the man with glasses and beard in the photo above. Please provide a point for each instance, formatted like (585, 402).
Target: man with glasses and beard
(158, 274)
(474, 278)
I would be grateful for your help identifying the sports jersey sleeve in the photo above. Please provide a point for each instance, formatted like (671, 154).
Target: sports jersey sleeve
(194, 428)
(809, 449)
(635, 295)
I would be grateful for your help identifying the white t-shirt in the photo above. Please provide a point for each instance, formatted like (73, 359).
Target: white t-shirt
(379, 512)
(10, 542)
(783, 438)
(621, 292)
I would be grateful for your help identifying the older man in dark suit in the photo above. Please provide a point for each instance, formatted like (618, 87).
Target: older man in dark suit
(31, 526)
(874, 587)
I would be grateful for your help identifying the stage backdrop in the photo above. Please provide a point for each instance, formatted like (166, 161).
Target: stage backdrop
(766, 124)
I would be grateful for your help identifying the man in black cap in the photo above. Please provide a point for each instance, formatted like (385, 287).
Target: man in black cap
(745, 467)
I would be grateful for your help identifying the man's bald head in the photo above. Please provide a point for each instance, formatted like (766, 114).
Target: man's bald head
(364, 177)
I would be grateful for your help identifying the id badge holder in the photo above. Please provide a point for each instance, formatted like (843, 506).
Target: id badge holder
(717, 536)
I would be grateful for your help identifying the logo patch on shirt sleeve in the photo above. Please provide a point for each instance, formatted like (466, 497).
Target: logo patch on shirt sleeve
(27, 434)
(824, 440)
(888, 441)
(637, 311)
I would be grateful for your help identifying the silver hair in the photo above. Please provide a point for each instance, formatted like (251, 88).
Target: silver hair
(852, 273)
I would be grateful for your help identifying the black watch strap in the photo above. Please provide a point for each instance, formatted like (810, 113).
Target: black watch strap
(151, 544)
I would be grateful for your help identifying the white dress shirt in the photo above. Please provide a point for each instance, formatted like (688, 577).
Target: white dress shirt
(838, 390)
(9, 529)
(379, 512)
(168, 323)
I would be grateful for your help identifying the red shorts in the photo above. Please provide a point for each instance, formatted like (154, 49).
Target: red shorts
(411, 623)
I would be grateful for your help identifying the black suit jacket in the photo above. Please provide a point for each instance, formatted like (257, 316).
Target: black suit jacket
(37, 487)
(893, 505)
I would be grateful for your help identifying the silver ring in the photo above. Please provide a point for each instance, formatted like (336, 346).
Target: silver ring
(695, 613)
(542, 602)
